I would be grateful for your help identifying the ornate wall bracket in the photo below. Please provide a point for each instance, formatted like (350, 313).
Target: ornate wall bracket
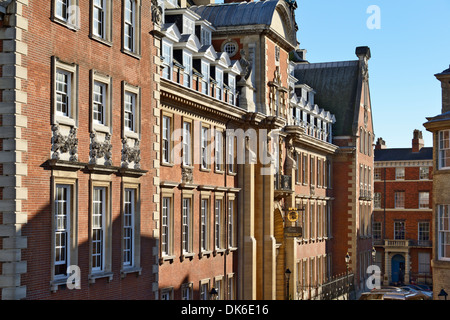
(64, 144)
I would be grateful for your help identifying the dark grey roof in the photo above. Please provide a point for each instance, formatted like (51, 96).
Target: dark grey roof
(237, 13)
(447, 71)
(336, 85)
(403, 154)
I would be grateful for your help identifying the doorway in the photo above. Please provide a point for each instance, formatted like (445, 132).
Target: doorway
(398, 269)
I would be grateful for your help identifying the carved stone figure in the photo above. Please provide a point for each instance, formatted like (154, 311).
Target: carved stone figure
(246, 65)
(63, 144)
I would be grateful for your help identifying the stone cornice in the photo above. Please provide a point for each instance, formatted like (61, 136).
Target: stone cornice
(180, 95)
(403, 163)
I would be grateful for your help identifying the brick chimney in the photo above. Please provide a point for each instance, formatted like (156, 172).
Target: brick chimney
(417, 141)
(381, 144)
(444, 78)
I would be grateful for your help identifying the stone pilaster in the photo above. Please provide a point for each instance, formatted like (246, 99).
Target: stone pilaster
(14, 145)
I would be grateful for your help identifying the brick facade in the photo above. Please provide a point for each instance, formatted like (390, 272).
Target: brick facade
(403, 212)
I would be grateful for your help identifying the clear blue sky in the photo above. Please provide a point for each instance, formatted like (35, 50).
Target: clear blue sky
(412, 44)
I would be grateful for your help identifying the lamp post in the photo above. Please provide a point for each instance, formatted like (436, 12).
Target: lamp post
(287, 274)
(347, 262)
(442, 295)
(213, 294)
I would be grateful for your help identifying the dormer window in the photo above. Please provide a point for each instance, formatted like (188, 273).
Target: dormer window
(232, 85)
(205, 79)
(187, 64)
(219, 86)
(188, 25)
(205, 37)
(167, 60)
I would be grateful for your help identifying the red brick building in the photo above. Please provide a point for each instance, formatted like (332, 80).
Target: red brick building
(154, 149)
(342, 88)
(403, 209)
(77, 143)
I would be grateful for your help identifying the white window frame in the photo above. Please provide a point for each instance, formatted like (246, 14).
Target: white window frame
(205, 147)
(166, 139)
(444, 150)
(187, 143)
(424, 200)
(99, 18)
(218, 224)
(218, 150)
(186, 225)
(205, 81)
(444, 232)
(424, 173)
(399, 202)
(130, 111)
(400, 173)
(187, 291)
(204, 224)
(101, 22)
(205, 36)
(187, 72)
(129, 214)
(63, 92)
(399, 234)
(63, 228)
(105, 82)
(188, 25)
(134, 131)
(231, 150)
(70, 117)
(231, 222)
(423, 232)
(68, 17)
(166, 225)
(98, 225)
(132, 27)
(219, 85)
(167, 63)
(99, 101)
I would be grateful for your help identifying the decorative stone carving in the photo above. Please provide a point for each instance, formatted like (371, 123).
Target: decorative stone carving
(100, 149)
(64, 144)
(187, 175)
(246, 65)
(131, 154)
(156, 12)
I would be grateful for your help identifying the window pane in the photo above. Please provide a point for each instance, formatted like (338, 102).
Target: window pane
(98, 109)
(128, 224)
(62, 92)
(129, 110)
(129, 25)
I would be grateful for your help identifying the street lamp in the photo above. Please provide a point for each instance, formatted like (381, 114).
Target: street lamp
(442, 294)
(347, 262)
(287, 274)
(213, 294)
(374, 253)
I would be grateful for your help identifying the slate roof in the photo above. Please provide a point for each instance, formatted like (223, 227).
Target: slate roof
(447, 71)
(237, 13)
(335, 84)
(403, 154)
